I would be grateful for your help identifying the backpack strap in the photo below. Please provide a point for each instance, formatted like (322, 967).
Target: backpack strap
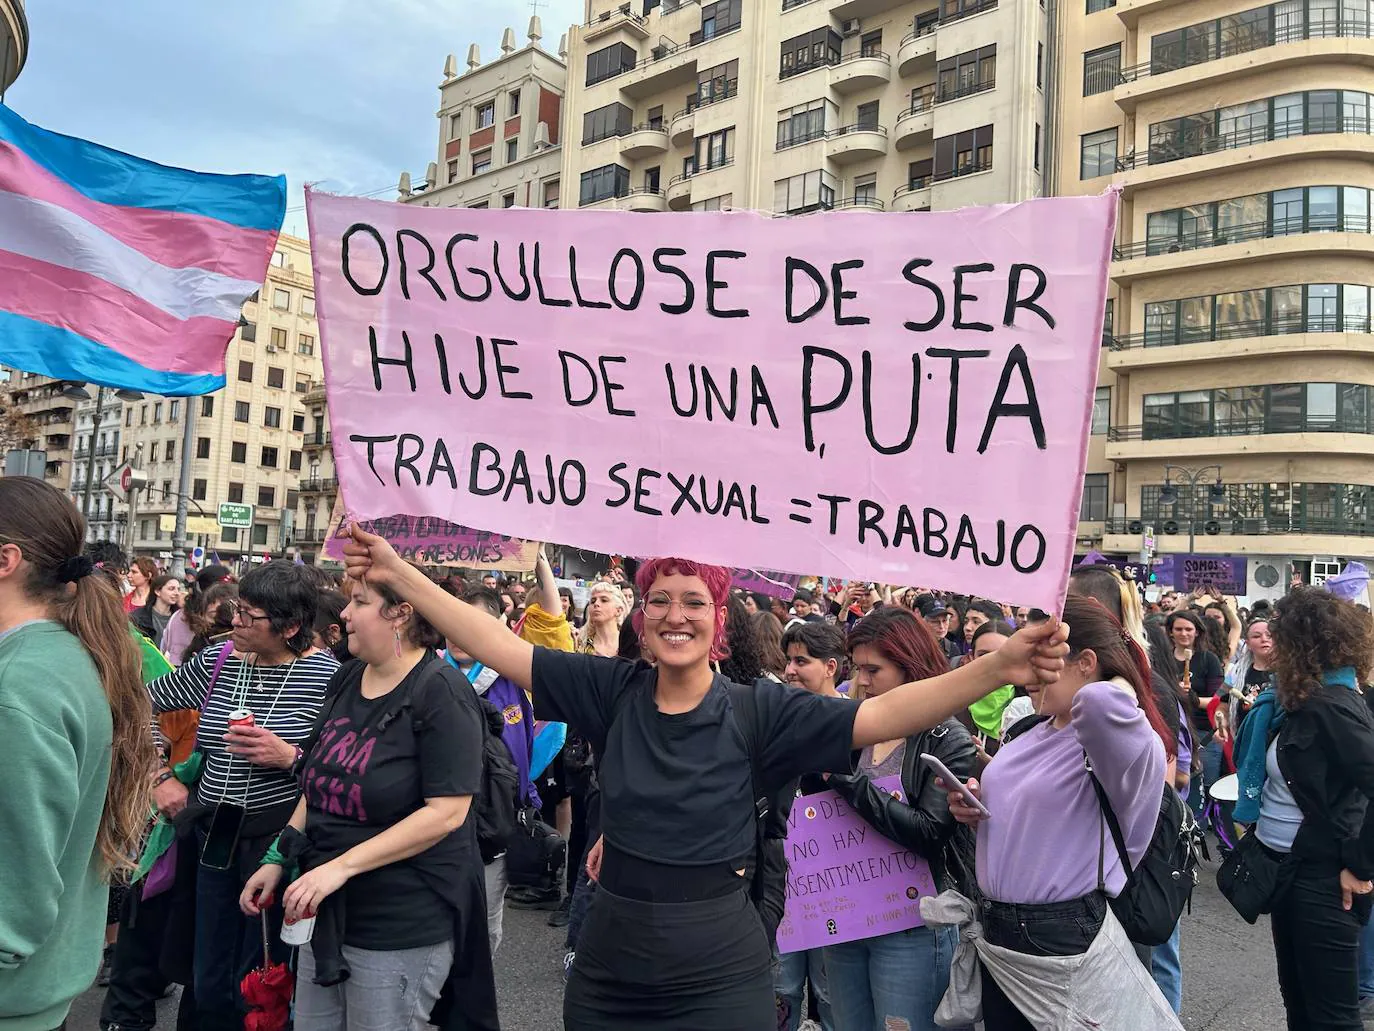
(1113, 825)
(1022, 725)
(225, 651)
(745, 706)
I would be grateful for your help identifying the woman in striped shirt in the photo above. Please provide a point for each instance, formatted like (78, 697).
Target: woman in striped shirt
(246, 790)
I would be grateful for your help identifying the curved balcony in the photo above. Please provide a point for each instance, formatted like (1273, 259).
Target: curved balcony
(916, 125)
(914, 196)
(1277, 335)
(1347, 237)
(14, 41)
(861, 71)
(643, 141)
(1131, 11)
(861, 203)
(679, 192)
(682, 127)
(1244, 436)
(968, 90)
(851, 143)
(645, 200)
(917, 48)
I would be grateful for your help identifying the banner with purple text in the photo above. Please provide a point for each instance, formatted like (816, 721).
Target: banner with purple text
(429, 542)
(845, 881)
(902, 398)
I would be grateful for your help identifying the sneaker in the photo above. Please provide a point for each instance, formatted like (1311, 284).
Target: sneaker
(568, 965)
(809, 1025)
(563, 914)
(533, 898)
(1367, 1012)
(102, 979)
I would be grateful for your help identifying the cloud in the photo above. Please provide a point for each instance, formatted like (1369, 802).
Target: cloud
(335, 91)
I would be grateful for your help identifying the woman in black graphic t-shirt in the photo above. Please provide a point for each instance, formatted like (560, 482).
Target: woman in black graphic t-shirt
(391, 870)
(672, 941)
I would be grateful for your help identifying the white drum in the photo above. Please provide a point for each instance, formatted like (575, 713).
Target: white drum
(1227, 789)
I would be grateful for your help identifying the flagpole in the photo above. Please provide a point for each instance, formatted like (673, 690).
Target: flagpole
(184, 490)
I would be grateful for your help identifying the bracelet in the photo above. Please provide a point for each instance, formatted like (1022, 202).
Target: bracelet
(163, 778)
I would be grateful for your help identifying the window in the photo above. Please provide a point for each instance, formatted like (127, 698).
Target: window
(455, 126)
(129, 416)
(507, 200)
(716, 150)
(919, 174)
(866, 115)
(453, 171)
(207, 407)
(718, 18)
(1097, 154)
(551, 193)
(963, 153)
(512, 151)
(871, 43)
(200, 490)
(805, 123)
(610, 62)
(228, 535)
(294, 461)
(815, 49)
(1102, 410)
(866, 189)
(811, 191)
(276, 377)
(298, 422)
(236, 493)
(202, 447)
(169, 451)
(603, 183)
(267, 496)
(302, 383)
(1276, 310)
(1095, 498)
(716, 83)
(143, 416)
(279, 338)
(278, 259)
(605, 122)
(721, 203)
(308, 305)
(157, 407)
(238, 452)
(248, 332)
(653, 179)
(480, 206)
(656, 117)
(1108, 321)
(1037, 146)
(1100, 5)
(241, 411)
(1101, 70)
(486, 115)
(269, 457)
(971, 72)
(305, 344)
(514, 105)
(272, 418)
(281, 300)
(260, 534)
(1039, 65)
(152, 452)
(481, 161)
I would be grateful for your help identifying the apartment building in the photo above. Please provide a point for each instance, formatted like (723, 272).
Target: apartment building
(1237, 344)
(792, 106)
(319, 487)
(99, 421)
(14, 41)
(499, 130)
(249, 439)
(49, 407)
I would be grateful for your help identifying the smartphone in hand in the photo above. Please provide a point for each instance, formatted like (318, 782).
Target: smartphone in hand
(954, 782)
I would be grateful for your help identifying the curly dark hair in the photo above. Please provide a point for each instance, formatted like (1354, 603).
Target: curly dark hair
(745, 663)
(1314, 631)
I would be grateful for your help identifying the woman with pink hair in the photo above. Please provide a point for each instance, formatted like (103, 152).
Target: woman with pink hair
(673, 940)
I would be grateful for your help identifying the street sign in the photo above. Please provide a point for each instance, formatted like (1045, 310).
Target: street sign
(238, 517)
(1149, 542)
(125, 480)
(195, 524)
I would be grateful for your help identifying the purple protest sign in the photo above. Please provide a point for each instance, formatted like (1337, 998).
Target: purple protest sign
(427, 541)
(1227, 573)
(845, 881)
(774, 585)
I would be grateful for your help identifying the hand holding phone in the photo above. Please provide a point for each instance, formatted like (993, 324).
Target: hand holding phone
(953, 783)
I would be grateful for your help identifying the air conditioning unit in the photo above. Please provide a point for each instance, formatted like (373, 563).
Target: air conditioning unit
(1211, 528)
(271, 348)
(850, 27)
(1170, 527)
(1135, 526)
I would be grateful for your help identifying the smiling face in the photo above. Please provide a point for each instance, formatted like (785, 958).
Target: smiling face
(680, 621)
(1183, 632)
(873, 672)
(806, 671)
(170, 593)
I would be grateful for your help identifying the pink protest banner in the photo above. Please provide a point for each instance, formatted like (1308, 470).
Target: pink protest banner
(432, 542)
(899, 398)
(845, 881)
(767, 582)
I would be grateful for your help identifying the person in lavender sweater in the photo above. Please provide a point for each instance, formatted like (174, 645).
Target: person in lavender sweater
(1040, 854)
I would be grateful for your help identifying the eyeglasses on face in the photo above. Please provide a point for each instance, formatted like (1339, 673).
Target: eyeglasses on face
(658, 606)
(244, 618)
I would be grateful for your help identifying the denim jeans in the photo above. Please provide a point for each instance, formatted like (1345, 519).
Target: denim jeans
(894, 981)
(1367, 961)
(1316, 946)
(1212, 756)
(386, 991)
(789, 982)
(1167, 969)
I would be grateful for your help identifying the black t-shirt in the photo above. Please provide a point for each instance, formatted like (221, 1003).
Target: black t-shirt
(366, 773)
(1256, 680)
(1206, 679)
(676, 788)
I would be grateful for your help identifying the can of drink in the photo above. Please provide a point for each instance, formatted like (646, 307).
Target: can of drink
(297, 932)
(241, 718)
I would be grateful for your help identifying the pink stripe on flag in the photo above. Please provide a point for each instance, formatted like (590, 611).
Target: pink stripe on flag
(171, 238)
(96, 309)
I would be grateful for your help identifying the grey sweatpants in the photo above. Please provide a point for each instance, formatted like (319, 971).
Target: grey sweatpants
(387, 991)
(495, 875)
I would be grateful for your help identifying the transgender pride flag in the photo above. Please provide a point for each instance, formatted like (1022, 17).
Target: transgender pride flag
(121, 272)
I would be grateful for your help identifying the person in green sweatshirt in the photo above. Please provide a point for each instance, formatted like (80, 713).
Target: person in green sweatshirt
(76, 760)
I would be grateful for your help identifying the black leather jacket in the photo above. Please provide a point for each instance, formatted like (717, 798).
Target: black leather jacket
(1326, 754)
(922, 823)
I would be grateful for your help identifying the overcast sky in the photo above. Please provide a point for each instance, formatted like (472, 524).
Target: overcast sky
(340, 92)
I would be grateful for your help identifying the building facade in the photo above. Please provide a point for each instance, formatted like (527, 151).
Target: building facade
(14, 41)
(1238, 341)
(96, 457)
(248, 440)
(319, 488)
(792, 106)
(499, 130)
(49, 410)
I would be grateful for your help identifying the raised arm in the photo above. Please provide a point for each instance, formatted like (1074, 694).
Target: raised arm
(368, 557)
(546, 592)
(1034, 654)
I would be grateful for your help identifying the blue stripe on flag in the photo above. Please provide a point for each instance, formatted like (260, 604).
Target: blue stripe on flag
(113, 177)
(35, 346)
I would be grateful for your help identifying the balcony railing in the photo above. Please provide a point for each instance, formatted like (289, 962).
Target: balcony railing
(1276, 325)
(317, 439)
(319, 485)
(966, 90)
(861, 202)
(1245, 42)
(805, 137)
(972, 168)
(624, 11)
(918, 31)
(688, 173)
(846, 130)
(787, 5)
(1245, 526)
(1247, 426)
(862, 55)
(1220, 236)
(1194, 143)
(921, 182)
(969, 11)
(731, 88)
(922, 99)
(810, 66)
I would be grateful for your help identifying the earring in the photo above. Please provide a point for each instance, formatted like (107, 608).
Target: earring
(398, 642)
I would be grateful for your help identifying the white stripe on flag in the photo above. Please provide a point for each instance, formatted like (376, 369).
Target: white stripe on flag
(47, 232)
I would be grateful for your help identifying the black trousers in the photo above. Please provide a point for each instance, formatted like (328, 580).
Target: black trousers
(136, 978)
(1316, 943)
(1054, 929)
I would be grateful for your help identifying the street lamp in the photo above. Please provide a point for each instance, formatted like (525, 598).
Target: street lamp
(1168, 494)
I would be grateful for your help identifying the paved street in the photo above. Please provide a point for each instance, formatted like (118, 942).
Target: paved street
(1228, 971)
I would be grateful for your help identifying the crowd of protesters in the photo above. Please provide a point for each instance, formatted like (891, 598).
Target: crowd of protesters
(350, 776)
